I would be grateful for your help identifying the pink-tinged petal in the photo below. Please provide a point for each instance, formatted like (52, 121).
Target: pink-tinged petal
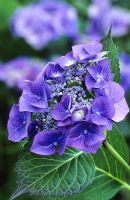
(121, 110)
(114, 91)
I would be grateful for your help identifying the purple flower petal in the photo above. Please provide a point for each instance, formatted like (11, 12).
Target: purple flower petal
(53, 70)
(67, 60)
(121, 110)
(17, 124)
(93, 149)
(103, 107)
(87, 52)
(49, 142)
(66, 100)
(35, 96)
(112, 91)
(99, 120)
(93, 47)
(85, 135)
(76, 50)
(89, 82)
(98, 75)
(65, 122)
(61, 110)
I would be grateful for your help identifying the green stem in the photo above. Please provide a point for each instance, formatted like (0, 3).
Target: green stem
(92, 94)
(117, 156)
(124, 184)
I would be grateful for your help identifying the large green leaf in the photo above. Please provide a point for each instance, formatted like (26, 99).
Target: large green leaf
(110, 46)
(109, 177)
(57, 176)
(110, 174)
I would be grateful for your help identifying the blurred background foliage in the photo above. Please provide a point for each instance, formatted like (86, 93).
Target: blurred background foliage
(12, 47)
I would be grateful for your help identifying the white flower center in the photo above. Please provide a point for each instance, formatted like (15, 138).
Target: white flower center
(99, 78)
(79, 114)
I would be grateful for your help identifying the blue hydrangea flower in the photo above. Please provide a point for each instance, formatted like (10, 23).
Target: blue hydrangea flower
(115, 93)
(68, 114)
(89, 52)
(102, 15)
(102, 112)
(15, 71)
(98, 75)
(17, 124)
(35, 96)
(67, 60)
(61, 111)
(85, 136)
(53, 70)
(49, 142)
(45, 21)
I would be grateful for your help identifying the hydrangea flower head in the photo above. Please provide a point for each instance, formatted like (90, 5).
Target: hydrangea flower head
(102, 15)
(15, 71)
(73, 101)
(40, 23)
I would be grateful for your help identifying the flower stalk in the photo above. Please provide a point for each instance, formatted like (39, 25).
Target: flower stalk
(116, 155)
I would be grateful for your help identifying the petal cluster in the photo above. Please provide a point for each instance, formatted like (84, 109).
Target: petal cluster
(102, 15)
(70, 104)
(40, 23)
(15, 71)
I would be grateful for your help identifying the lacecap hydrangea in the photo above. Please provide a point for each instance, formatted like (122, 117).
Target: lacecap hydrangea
(102, 15)
(14, 72)
(70, 104)
(45, 21)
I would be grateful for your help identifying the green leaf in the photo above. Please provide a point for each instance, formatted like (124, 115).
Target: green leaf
(110, 46)
(108, 163)
(109, 178)
(54, 176)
